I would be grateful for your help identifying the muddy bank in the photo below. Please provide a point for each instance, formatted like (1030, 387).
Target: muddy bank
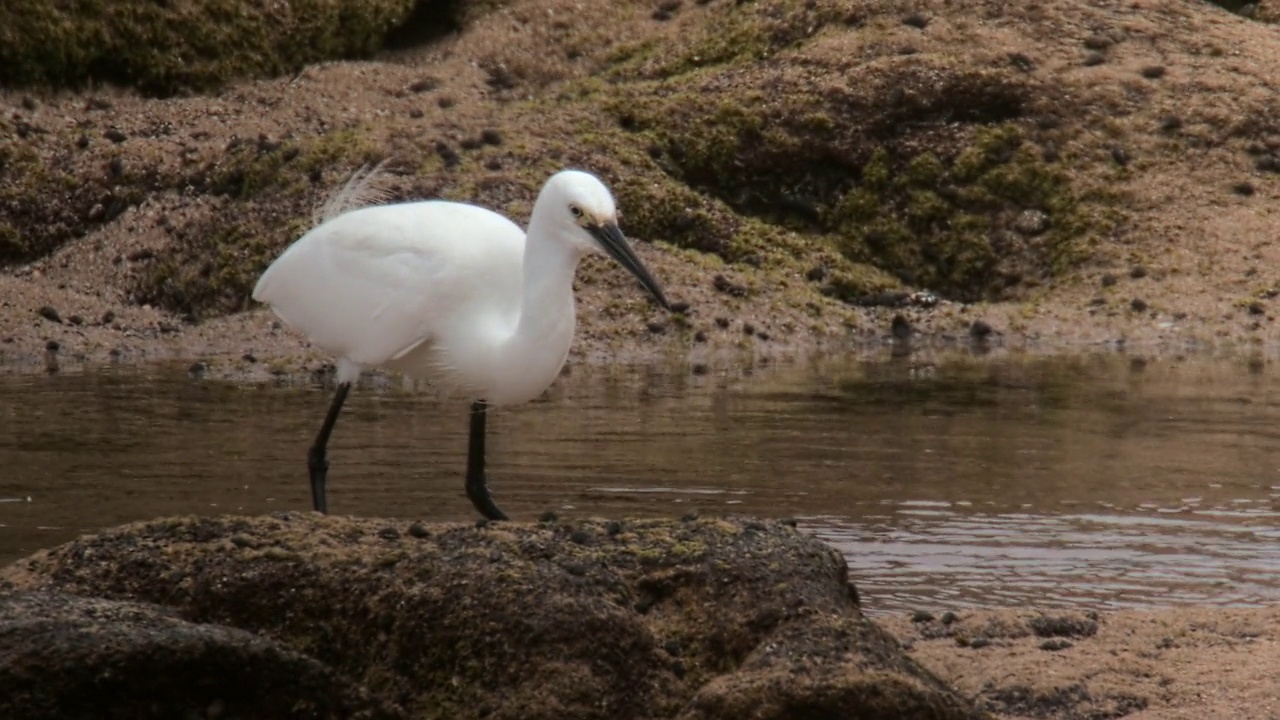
(693, 619)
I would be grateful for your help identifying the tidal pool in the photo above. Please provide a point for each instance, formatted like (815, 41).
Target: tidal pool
(1088, 482)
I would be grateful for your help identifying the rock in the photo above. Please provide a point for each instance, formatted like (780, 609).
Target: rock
(728, 287)
(75, 657)
(1098, 42)
(138, 44)
(776, 681)
(548, 620)
(1063, 626)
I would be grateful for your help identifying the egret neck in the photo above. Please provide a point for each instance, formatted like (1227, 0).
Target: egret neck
(544, 331)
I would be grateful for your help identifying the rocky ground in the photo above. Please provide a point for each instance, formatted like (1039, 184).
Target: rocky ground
(1058, 175)
(1069, 174)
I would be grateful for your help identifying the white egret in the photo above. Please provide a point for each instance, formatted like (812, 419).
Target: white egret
(448, 292)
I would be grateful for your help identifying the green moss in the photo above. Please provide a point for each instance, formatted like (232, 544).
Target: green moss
(252, 169)
(190, 45)
(925, 210)
(876, 172)
(857, 208)
(222, 279)
(923, 171)
(948, 227)
(852, 281)
(991, 148)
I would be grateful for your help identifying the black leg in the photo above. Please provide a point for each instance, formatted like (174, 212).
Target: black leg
(317, 463)
(476, 488)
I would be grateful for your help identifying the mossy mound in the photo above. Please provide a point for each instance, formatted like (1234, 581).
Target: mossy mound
(594, 619)
(921, 170)
(164, 48)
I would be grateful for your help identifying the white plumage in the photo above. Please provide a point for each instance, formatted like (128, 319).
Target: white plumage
(447, 291)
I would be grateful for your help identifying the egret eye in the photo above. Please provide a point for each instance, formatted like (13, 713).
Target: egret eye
(577, 212)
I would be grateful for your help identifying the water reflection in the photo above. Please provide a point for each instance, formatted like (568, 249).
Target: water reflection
(1087, 481)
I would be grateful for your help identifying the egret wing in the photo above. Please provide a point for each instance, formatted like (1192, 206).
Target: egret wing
(375, 283)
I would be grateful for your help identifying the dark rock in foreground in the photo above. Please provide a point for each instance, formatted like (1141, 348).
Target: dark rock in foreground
(635, 619)
(63, 656)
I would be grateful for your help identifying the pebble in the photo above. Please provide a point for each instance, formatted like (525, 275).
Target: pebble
(1031, 222)
(1098, 42)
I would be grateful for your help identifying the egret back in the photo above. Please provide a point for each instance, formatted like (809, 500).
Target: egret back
(372, 284)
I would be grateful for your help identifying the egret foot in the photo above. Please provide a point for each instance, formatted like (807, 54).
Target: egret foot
(317, 462)
(477, 489)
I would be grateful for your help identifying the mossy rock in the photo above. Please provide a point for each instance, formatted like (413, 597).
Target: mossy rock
(216, 262)
(76, 657)
(921, 171)
(773, 155)
(46, 201)
(164, 48)
(953, 225)
(629, 619)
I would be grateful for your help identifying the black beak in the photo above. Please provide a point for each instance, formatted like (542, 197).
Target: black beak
(615, 243)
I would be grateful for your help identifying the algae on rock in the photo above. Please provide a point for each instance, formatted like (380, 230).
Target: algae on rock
(632, 619)
(184, 45)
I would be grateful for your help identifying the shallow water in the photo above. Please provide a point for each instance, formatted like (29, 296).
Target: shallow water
(1089, 482)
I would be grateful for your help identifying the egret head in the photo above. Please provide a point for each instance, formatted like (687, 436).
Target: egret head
(583, 208)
